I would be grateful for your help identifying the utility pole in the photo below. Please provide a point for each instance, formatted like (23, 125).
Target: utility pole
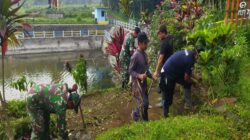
(1, 44)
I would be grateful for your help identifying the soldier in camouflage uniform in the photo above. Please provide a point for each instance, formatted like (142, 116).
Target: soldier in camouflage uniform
(128, 48)
(45, 99)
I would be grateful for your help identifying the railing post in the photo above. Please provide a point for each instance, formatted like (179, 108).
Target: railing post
(43, 34)
(53, 34)
(34, 35)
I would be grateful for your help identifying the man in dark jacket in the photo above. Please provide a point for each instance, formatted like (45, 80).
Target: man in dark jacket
(177, 69)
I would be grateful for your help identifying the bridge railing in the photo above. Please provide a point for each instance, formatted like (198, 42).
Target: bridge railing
(107, 36)
(59, 34)
(129, 26)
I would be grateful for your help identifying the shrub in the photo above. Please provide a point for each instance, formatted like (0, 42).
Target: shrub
(221, 61)
(16, 109)
(21, 128)
(78, 19)
(3, 135)
(179, 21)
(79, 74)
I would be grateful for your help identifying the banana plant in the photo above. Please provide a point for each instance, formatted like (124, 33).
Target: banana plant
(10, 22)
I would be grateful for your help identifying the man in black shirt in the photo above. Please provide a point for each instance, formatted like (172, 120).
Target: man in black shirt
(166, 49)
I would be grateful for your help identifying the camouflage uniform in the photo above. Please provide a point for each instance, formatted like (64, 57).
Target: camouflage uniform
(43, 100)
(127, 50)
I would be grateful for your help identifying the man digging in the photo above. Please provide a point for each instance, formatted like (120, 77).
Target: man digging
(43, 100)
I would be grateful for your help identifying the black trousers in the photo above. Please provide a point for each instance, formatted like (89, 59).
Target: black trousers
(167, 86)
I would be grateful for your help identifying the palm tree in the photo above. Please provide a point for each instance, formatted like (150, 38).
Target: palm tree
(10, 22)
(125, 6)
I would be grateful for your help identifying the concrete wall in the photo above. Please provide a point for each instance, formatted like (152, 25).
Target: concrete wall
(36, 46)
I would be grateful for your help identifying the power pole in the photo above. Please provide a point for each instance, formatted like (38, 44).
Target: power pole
(1, 44)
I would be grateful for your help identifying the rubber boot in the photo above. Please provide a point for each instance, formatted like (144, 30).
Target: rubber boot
(165, 112)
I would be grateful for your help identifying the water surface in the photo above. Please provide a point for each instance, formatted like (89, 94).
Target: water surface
(49, 68)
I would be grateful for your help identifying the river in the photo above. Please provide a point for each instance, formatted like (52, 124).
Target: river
(49, 68)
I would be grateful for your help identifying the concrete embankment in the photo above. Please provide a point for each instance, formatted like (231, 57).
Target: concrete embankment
(59, 38)
(53, 45)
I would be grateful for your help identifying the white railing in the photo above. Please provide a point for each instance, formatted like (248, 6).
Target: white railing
(129, 26)
(59, 34)
(107, 35)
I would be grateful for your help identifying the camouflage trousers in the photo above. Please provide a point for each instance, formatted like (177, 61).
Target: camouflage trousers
(40, 124)
(125, 61)
(40, 117)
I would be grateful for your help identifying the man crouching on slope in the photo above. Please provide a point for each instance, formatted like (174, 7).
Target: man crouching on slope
(43, 100)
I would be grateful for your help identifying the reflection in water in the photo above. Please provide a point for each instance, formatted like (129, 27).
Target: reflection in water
(50, 69)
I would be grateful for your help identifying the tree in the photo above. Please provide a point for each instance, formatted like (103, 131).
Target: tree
(125, 6)
(10, 22)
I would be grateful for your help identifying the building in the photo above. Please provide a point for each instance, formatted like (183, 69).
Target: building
(100, 15)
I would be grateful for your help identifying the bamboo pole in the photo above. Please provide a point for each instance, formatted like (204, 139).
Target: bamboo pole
(237, 16)
(227, 8)
(241, 23)
(232, 13)
(2, 99)
(3, 76)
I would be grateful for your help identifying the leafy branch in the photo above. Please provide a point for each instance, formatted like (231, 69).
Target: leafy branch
(22, 84)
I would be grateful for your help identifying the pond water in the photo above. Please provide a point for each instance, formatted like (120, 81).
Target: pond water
(48, 69)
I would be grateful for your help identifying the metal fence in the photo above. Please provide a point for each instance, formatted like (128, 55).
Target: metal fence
(72, 33)
(59, 34)
(129, 26)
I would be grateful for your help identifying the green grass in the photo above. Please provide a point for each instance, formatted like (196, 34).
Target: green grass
(245, 83)
(43, 20)
(188, 127)
(73, 14)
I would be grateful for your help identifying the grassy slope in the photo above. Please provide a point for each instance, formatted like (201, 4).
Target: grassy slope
(73, 14)
(237, 126)
(195, 127)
